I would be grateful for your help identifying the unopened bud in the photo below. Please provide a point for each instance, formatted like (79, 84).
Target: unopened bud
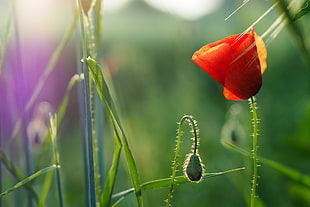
(193, 168)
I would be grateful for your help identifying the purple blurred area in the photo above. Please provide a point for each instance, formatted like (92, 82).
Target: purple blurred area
(33, 40)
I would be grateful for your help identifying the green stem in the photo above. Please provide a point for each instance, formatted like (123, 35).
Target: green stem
(97, 22)
(53, 133)
(177, 152)
(254, 152)
(91, 46)
(88, 122)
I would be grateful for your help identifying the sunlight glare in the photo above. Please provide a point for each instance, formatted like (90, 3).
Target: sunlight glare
(186, 9)
(39, 17)
(112, 5)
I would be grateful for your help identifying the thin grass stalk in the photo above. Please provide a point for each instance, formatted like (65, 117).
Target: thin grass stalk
(99, 122)
(23, 97)
(17, 174)
(92, 46)
(88, 122)
(81, 104)
(1, 144)
(94, 140)
(96, 23)
(60, 114)
(83, 130)
(45, 188)
(28, 179)
(53, 132)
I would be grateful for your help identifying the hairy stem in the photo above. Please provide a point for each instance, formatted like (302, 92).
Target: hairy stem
(254, 152)
(177, 152)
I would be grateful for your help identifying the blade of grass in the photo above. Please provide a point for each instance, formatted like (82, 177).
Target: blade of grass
(60, 114)
(165, 182)
(53, 132)
(87, 115)
(110, 181)
(81, 104)
(45, 188)
(94, 105)
(287, 171)
(21, 100)
(96, 24)
(104, 94)
(28, 179)
(1, 145)
(83, 130)
(17, 174)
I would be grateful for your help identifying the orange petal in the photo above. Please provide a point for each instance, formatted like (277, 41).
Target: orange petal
(231, 96)
(214, 60)
(243, 79)
(262, 52)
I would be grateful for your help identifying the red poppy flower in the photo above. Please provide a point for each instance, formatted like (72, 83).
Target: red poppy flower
(236, 62)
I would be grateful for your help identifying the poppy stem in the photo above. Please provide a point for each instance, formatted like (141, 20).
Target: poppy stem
(254, 152)
(193, 125)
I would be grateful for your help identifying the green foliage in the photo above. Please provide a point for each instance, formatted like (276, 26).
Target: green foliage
(305, 9)
(106, 99)
(28, 179)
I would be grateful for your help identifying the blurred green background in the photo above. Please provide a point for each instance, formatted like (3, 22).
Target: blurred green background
(147, 56)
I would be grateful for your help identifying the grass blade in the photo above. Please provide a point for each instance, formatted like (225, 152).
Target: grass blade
(91, 180)
(104, 94)
(96, 22)
(286, 171)
(110, 181)
(28, 179)
(53, 132)
(18, 175)
(165, 182)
